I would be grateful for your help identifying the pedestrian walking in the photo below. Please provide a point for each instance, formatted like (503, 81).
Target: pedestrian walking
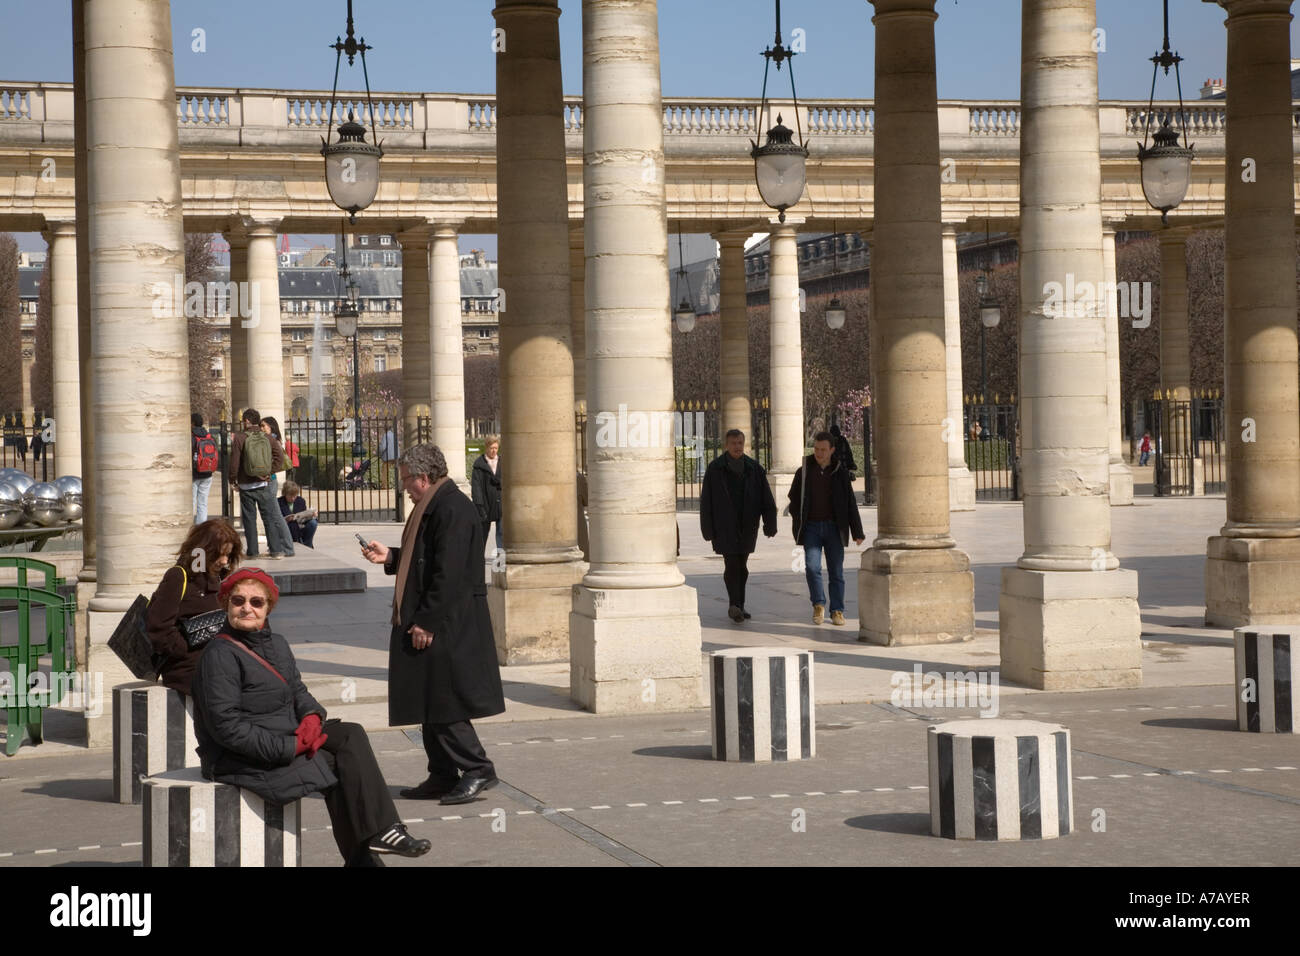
(825, 515)
(255, 457)
(485, 486)
(206, 460)
(843, 452)
(734, 498)
(442, 664)
(388, 455)
(1145, 449)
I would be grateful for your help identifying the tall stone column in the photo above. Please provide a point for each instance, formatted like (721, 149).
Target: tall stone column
(635, 628)
(578, 316)
(1121, 476)
(1252, 571)
(961, 483)
(417, 352)
(785, 362)
(530, 599)
(914, 585)
(139, 360)
(1176, 364)
(265, 362)
(1068, 614)
(733, 349)
(448, 352)
(62, 239)
(238, 373)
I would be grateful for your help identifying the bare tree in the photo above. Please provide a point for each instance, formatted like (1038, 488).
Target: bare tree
(206, 394)
(43, 365)
(11, 342)
(482, 386)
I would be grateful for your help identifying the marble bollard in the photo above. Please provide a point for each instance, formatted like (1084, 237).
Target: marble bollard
(762, 704)
(1267, 671)
(189, 821)
(153, 731)
(1000, 780)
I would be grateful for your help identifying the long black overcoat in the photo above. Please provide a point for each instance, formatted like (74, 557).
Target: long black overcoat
(457, 677)
(718, 515)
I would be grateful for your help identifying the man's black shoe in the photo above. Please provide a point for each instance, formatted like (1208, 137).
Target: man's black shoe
(735, 613)
(470, 786)
(431, 789)
(747, 615)
(396, 840)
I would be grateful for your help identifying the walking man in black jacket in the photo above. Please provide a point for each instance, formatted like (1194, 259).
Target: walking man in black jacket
(824, 512)
(734, 496)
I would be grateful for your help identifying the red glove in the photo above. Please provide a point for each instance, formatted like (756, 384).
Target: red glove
(307, 733)
(317, 744)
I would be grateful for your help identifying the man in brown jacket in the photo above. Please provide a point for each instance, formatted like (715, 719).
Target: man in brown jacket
(255, 490)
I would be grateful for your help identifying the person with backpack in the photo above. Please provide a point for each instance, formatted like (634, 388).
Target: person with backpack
(254, 457)
(843, 452)
(203, 448)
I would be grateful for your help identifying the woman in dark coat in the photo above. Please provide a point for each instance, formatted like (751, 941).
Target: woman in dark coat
(210, 552)
(259, 728)
(485, 488)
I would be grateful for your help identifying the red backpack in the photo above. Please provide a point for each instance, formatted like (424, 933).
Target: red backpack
(205, 454)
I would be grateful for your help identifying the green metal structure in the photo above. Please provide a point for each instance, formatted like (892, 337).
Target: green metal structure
(27, 690)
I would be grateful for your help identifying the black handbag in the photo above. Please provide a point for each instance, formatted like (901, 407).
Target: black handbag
(201, 628)
(130, 642)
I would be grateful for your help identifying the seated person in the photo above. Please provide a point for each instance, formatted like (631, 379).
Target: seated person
(302, 520)
(259, 728)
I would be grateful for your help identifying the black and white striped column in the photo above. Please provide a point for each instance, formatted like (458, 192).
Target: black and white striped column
(153, 731)
(1267, 671)
(1000, 780)
(189, 821)
(762, 704)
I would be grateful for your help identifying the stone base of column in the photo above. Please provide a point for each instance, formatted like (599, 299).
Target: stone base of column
(915, 596)
(530, 605)
(780, 485)
(1121, 484)
(102, 664)
(961, 488)
(1251, 581)
(1066, 630)
(636, 651)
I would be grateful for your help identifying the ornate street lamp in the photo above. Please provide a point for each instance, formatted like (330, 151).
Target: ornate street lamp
(685, 312)
(1166, 166)
(351, 164)
(990, 316)
(346, 315)
(835, 313)
(780, 163)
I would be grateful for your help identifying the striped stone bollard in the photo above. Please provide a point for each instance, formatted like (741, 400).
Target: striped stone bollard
(189, 821)
(153, 731)
(1267, 671)
(762, 704)
(1000, 780)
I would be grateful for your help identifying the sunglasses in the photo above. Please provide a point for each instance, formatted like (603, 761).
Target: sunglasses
(237, 600)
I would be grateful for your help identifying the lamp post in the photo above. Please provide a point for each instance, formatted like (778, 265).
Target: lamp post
(1166, 166)
(351, 164)
(346, 315)
(835, 312)
(685, 312)
(990, 316)
(780, 165)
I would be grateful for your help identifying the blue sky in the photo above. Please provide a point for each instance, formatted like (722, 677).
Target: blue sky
(707, 47)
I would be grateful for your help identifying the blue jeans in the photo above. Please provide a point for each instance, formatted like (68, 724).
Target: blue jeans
(819, 536)
(1142, 459)
(201, 488)
(277, 531)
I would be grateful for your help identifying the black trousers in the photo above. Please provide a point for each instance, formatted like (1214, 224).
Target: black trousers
(454, 749)
(359, 805)
(735, 572)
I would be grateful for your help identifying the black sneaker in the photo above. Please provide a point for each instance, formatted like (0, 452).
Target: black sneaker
(396, 840)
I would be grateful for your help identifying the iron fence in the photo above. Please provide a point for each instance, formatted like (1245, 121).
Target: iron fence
(1187, 441)
(991, 444)
(26, 447)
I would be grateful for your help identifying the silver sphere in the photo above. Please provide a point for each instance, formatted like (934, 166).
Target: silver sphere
(19, 479)
(43, 504)
(70, 489)
(11, 506)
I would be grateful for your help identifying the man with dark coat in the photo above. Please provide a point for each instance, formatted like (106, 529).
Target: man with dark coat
(734, 496)
(442, 662)
(825, 514)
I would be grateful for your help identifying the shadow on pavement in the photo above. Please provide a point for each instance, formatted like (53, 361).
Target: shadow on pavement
(680, 753)
(1192, 723)
(916, 824)
(96, 791)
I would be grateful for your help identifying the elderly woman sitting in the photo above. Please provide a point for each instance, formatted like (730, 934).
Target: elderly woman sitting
(258, 727)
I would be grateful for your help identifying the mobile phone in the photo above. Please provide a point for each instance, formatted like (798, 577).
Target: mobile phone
(365, 545)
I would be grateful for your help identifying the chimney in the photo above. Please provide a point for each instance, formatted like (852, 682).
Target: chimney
(1213, 88)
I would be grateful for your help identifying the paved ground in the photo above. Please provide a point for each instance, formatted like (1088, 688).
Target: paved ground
(1161, 768)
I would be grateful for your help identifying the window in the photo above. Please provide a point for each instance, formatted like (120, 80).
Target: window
(385, 240)
(299, 366)
(216, 336)
(298, 335)
(390, 258)
(326, 334)
(365, 240)
(327, 364)
(218, 366)
(381, 363)
(485, 333)
(378, 335)
(365, 258)
(347, 366)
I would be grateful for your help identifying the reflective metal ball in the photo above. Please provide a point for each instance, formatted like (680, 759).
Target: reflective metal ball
(11, 506)
(70, 489)
(43, 504)
(20, 480)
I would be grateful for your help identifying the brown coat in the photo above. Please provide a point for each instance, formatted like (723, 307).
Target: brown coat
(236, 469)
(176, 661)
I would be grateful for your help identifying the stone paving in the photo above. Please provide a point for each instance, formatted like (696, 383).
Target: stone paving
(1161, 768)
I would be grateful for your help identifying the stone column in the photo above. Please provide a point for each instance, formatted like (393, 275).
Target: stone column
(786, 358)
(1121, 476)
(62, 239)
(1068, 614)
(1252, 571)
(635, 628)
(530, 599)
(238, 371)
(264, 360)
(139, 360)
(961, 483)
(448, 352)
(1176, 363)
(733, 349)
(578, 317)
(417, 352)
(914, 585)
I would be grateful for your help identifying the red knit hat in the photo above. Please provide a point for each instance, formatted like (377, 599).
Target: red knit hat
(248, 574)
